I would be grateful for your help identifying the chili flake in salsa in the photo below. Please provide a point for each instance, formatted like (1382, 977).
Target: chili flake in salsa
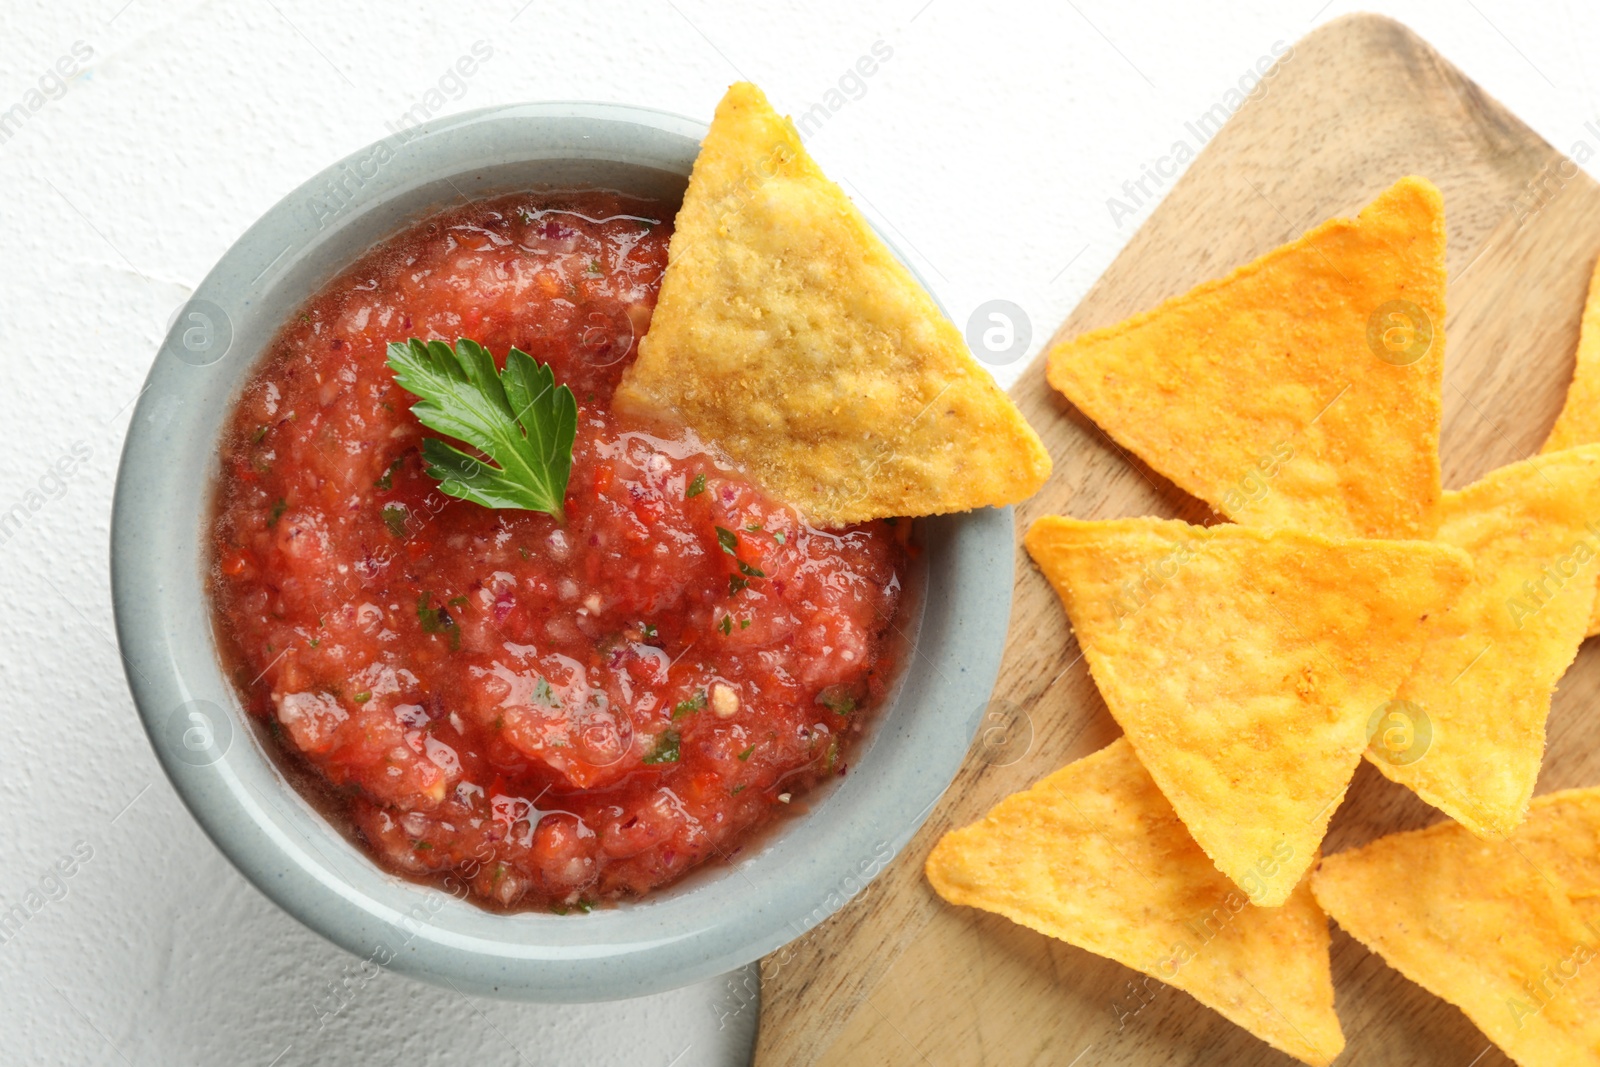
(543, 713)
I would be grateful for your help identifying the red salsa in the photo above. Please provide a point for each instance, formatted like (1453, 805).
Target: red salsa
(538, 713)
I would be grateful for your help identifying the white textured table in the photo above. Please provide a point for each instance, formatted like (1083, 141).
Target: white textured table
(1011, 152)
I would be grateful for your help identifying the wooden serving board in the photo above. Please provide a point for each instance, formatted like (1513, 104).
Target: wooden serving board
(900, 977)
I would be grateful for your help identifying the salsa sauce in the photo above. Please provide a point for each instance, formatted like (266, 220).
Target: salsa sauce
(542, 713)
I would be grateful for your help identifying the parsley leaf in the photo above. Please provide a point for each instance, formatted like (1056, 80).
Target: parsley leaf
(696, 487)
(519, 418)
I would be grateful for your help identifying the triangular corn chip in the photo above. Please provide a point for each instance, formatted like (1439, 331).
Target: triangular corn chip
(789, 335)
(1497, 928)
(1244, 666)
(1579, 421)
(1473, 710)
(1095, 856)
(1300, 390)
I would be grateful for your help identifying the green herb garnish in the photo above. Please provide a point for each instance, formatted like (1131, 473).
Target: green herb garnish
(736, 583)
(837, 699)
(745, 755)
(394, 517)
(726, 625)
(730, 544)
(779, 537)
(690, 706)
(519, 418)
(696, 486)
(437, 621)
(386, 483)
(545, 694)
(665, 749)
(277, 511)
(363, 696)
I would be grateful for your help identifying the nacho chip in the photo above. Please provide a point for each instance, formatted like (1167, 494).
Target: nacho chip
(1244, 665)
(1579, 421)
(1472, 713)
(790, 335)
(1300, 390)
(1094, 856)
(1497, 928)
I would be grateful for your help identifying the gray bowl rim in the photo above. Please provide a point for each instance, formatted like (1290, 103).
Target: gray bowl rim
(721, 917)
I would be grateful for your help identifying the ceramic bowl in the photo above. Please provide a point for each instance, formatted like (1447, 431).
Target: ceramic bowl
(718, 918)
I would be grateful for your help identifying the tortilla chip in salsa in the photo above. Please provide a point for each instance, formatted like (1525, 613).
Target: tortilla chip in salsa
(788, 334)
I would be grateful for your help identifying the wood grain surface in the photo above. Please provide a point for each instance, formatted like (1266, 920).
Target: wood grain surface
(898, 976)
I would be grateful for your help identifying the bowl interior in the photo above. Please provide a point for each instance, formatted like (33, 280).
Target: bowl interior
(720, 917)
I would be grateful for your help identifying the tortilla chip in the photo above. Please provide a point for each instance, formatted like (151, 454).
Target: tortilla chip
(790, 335)
(1497, 928)
(1579, 421)
(1482, 686)
(1300, 390)
(1094, 856)
(1244, 665)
